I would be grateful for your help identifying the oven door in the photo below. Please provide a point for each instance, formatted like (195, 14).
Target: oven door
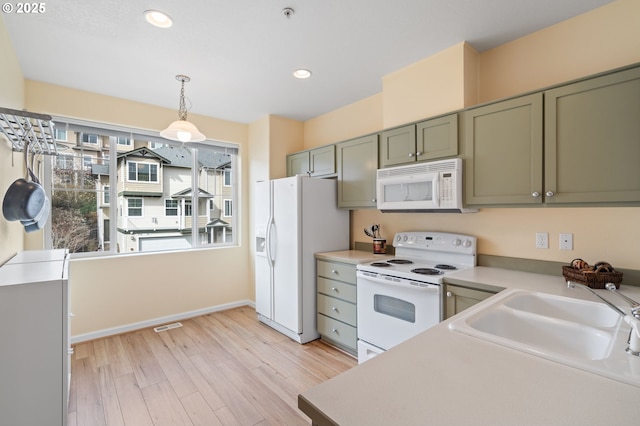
(392, 310)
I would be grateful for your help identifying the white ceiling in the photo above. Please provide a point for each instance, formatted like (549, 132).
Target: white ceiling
(240, 54)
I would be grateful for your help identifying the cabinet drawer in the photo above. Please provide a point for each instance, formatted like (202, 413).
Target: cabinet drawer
(337, 331)
(338, 309)
(337, 271)
(337, 289)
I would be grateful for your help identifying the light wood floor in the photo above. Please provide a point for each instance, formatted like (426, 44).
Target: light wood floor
(224, 368)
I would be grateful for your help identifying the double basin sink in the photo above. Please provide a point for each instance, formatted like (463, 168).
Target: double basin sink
(579, 333)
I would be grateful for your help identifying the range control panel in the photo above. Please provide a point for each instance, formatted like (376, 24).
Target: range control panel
(436, 241)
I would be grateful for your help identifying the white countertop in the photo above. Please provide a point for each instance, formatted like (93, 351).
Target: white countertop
(352, 256)
(443, 377)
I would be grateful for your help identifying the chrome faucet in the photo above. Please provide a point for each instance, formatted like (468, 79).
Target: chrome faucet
(635, 306)
(632, 319)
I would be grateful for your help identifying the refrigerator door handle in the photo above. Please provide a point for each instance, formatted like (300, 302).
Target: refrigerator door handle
(268, 241)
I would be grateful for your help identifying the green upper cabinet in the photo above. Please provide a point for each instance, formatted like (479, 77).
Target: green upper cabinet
(503, 147)
(357, 166)
(298, 163)
(592, 140)
(398, 146)
(437, 138)
(427, 140)
(315, 162)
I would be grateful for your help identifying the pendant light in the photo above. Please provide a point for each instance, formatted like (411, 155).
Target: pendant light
(181, 129)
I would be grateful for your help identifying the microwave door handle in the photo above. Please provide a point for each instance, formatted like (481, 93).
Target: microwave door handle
(436, 190)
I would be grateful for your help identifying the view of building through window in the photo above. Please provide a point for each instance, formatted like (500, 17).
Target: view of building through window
(145, 200)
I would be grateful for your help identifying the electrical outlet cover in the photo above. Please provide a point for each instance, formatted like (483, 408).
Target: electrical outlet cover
(566, 241)
(542, 240)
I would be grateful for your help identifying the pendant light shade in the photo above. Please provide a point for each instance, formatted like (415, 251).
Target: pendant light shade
(182, 130)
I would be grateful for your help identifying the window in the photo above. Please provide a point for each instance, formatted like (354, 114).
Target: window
(90, 138)
(171, 207)
(143, 217)
(134, 207)
(64, 162)
(143, 172)
(123, 141)
(60, 135)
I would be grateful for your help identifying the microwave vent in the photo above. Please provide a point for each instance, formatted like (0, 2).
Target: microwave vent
(413, 169)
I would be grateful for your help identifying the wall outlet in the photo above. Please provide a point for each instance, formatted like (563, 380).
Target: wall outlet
(542, 240)
(566, 241)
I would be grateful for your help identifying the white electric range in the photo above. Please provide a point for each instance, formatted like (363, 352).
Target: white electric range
(400, 297)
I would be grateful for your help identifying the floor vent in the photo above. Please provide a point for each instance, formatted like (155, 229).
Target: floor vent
(167, 327)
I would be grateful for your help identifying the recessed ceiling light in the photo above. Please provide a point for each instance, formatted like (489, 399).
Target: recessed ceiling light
(158, 19)
(302, 73)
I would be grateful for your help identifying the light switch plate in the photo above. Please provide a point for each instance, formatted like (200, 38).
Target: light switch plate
(566, 241)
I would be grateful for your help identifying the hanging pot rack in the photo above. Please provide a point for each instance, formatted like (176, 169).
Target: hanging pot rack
(28, 130)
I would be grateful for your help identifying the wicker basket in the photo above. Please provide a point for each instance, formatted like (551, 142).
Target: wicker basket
(591, 278)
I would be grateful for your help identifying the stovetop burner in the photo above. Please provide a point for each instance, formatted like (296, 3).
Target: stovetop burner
(445, 267)
(427, 271)
(380, 264)
(400, 261)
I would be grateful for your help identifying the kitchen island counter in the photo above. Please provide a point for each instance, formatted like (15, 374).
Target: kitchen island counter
(443, 377)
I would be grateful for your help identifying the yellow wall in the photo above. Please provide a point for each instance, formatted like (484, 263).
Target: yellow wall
(350, 121)
(116, 291)
(600, 40)
(437, 86)
(11, 164)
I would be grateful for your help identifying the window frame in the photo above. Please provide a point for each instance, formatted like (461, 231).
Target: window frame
(137, 170)
(115, 214)
(129, 199)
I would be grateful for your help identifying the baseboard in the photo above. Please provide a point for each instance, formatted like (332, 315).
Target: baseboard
(157, 321)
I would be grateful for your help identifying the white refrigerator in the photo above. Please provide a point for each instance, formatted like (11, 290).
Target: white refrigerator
(295, 218)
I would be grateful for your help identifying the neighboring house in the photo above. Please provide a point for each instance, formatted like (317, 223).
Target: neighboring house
(154, 192)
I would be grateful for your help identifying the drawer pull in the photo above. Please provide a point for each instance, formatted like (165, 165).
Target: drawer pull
(334, 331)
(334, 309)
(335, 290)
(333, 271)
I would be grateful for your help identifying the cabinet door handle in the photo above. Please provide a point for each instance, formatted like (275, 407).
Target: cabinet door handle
(374, 200)
(418, 154)
(449, 294)
(535, 194)
(550, 194)
(411, 154)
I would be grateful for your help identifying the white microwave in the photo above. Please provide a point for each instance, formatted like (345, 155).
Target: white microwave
(434, 186)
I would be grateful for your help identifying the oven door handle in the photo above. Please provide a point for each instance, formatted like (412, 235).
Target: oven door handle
(398, 282)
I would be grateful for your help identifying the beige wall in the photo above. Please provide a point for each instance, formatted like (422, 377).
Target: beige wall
(600, 40)
(350, 121)
(116, 291)
(11, 164)
(437, 86)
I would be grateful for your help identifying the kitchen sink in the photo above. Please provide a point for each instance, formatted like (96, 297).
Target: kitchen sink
(579, 333)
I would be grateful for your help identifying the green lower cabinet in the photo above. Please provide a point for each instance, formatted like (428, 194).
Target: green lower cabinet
(460, 298)
(336, 302)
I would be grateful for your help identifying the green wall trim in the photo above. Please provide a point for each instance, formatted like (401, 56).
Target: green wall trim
(630, 277)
